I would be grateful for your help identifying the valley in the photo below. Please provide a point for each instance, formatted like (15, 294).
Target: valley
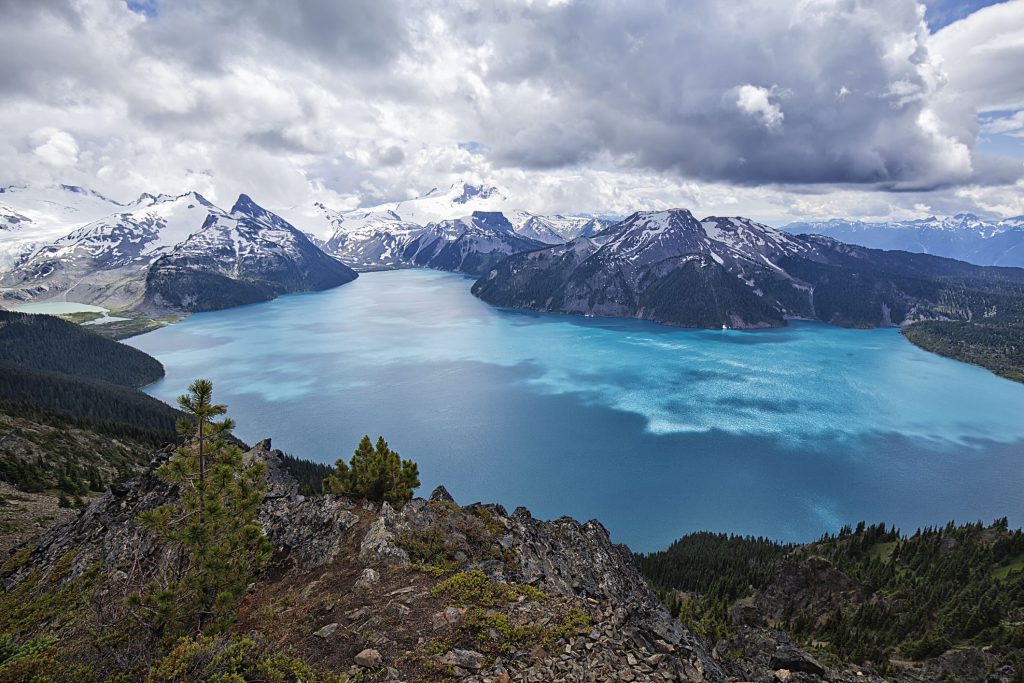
(161, 257)
(426, 589)
(689, 374)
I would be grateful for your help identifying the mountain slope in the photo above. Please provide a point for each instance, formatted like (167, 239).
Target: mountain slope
(49, 344)
(461, 199)
(371, 240)
(244, 256)
(947, 599)
(377, 236)
(663, 266)
(52, 367)
(70, 413)
(434, 590)
(470, 245)
(669, 267)
(557, 228)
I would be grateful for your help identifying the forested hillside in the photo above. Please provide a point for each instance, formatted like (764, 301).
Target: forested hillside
(994, 344)
(51, 369)
(47, 343)
(865, 595)
(72, 419)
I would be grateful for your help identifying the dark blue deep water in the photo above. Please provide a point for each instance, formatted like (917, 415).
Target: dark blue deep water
(655, 431)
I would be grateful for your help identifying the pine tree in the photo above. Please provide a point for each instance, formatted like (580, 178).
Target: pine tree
(213, 524)
(376, 473)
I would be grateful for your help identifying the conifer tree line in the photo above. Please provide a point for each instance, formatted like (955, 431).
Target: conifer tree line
(48, 344)
(938, 588)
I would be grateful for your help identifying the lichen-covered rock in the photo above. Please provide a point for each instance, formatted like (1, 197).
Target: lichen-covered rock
(369, 658)
(378, 546)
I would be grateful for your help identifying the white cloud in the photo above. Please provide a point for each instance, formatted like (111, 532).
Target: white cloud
(58, 148)
(1010, 124)
(596, 106)
(983, 57)
(756, 102)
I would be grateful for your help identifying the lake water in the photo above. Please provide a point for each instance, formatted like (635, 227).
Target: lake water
(66, 308)
(58, 308)
(656, 431)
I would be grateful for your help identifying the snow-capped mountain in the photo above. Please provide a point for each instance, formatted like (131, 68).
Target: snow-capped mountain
(371, 240)
(963, 236)
(111, 261)
(669, 267)
(472, 244)
(557, 228)
(11, 220)
(104, 261)
(31, 216)
(377, 236)
(461, 199)
(243, 256)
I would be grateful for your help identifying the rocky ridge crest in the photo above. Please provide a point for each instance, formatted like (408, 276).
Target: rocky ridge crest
(433, 591)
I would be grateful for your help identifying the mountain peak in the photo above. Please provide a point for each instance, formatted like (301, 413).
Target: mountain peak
(245, 204)
(78, 189)
(494, 220)
(672, 219)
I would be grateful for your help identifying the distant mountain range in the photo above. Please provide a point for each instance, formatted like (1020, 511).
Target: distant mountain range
(183, 253)
(667, 266)
(397, 234)
(162, 253)
(964, 237)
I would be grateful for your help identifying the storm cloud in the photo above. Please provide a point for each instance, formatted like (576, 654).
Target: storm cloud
(775, 109)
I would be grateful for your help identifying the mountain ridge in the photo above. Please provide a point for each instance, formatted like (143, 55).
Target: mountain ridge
(725, 271)
(962, 236)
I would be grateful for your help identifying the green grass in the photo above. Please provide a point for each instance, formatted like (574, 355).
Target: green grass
(1004, 571)
(81, 316)
(882, 551)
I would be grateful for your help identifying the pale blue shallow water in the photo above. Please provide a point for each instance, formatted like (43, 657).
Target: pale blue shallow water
(655, 431)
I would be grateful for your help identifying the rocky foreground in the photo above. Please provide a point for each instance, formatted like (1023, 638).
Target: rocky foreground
(432, 592)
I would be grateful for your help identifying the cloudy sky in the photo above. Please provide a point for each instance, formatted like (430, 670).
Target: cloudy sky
(776, 110)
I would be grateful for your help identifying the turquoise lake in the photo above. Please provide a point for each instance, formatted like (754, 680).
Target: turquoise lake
(653, 430)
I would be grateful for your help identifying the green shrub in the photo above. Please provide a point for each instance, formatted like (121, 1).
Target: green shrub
(375, 473)
(475, 589)
(219, 659)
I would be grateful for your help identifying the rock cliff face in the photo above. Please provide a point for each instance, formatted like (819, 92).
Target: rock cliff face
(431, 592)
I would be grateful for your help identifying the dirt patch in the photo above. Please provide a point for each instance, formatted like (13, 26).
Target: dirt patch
(24, 515)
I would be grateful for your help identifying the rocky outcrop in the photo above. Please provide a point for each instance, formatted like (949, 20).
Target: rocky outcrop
(434, 590)
(812, 588)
